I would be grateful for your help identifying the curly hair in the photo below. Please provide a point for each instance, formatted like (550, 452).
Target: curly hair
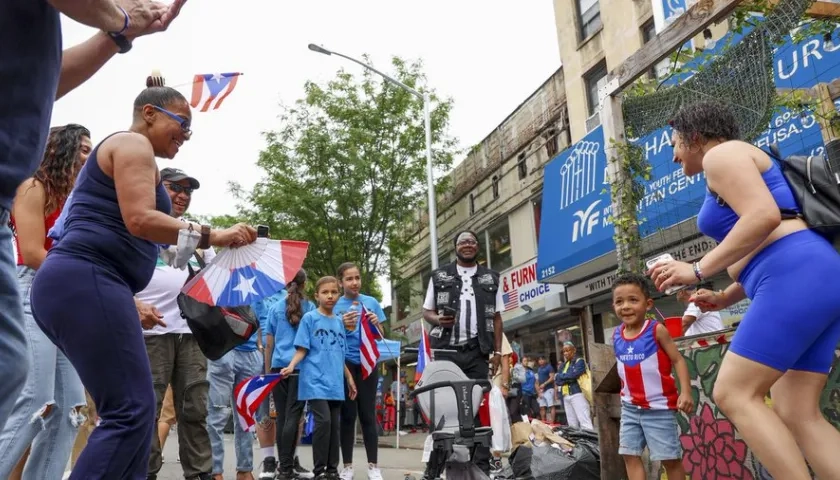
(703, 121)
(295, 298)
(61, 164)
(633, 279)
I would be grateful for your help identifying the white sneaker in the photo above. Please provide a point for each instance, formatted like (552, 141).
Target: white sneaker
(374, 473)
(346, 473)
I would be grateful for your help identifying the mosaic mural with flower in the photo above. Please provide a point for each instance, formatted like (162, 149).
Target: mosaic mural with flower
(712, 448)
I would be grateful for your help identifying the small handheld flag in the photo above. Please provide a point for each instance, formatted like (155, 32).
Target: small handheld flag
(424, 352)
(249, 395)
(367, 345)
(211, 89)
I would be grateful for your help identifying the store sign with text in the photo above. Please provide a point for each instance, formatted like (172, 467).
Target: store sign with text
(576, 217)
(520, 286)
(686, 252)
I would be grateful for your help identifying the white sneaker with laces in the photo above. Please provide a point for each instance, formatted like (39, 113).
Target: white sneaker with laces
(346, 473)
(374, 473)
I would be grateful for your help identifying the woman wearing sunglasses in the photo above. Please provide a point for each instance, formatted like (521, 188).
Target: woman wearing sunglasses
(83, 294)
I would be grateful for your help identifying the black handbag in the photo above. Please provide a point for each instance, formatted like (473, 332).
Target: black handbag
(816, 188)
(217, 330)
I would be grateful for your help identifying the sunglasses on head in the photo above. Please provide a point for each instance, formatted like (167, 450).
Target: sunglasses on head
(178, 188)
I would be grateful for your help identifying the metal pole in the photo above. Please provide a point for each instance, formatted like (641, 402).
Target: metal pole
(433, 239)
(397, 420)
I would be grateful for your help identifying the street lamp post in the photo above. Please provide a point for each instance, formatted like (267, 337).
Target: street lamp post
(427, 117)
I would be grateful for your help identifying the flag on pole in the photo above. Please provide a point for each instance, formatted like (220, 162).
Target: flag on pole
(424, 352)
(367, 345)
(211, 89)
(249, 395)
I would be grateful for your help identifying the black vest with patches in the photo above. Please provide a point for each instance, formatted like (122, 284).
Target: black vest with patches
(447, 293)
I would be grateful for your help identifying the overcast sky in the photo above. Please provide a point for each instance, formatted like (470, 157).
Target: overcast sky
(487, 55)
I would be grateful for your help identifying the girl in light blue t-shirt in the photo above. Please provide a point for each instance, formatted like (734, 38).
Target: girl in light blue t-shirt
(321, 347)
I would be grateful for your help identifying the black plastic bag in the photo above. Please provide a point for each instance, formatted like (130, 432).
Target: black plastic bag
(520, 463)
(464, 471)
(550, 463)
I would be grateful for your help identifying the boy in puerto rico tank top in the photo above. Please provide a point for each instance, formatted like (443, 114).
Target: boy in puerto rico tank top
(645, 355)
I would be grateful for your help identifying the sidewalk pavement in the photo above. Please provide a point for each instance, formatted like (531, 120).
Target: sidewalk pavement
(394, 464)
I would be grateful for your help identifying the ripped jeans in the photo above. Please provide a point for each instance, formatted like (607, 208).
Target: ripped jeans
(224, 374)
(53, 382)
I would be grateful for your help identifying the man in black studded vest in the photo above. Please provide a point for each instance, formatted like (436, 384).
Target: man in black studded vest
(464, 304)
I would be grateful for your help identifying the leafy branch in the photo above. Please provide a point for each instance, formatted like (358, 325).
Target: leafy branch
(630, 190)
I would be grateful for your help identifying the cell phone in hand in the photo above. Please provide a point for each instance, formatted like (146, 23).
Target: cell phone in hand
(262, 231)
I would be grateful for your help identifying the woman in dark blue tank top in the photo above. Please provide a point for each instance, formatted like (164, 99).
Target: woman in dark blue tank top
(786, 340)
(83, 294)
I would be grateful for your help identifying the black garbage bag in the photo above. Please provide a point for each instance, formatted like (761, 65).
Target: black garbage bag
(520, 463)
(550, 463)
(464, 471)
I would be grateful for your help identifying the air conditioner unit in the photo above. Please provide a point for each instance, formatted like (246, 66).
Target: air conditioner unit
(593, 121)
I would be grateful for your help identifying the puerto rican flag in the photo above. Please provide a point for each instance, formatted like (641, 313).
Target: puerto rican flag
(249, 395)
(367, 344)
(211, 89)
(424, 353)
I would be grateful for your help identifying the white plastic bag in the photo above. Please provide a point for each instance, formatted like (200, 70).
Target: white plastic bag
(499, 421)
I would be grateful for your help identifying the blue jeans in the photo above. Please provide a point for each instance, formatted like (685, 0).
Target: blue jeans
(53, 382)
(14, 362)
(224, 374)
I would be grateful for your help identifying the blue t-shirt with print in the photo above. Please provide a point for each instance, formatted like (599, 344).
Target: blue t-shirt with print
(261, 312)
(322, 370)
(354, 338)
(284, 333)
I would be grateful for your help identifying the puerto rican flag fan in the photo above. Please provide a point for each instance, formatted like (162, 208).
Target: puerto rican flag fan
(367, 344)
(245, 275)
(249, 395)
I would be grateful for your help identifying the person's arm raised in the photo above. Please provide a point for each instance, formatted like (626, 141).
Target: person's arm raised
(135, 177)
(102, 14)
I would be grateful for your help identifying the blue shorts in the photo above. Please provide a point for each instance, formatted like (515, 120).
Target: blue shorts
(793, 322)
(656, 429)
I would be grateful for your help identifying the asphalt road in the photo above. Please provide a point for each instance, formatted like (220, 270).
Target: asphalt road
(393, 463)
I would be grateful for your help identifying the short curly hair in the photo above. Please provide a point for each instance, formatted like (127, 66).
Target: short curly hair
(633, 279)
(698, 122)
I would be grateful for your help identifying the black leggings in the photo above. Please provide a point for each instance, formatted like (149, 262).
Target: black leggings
(365, 406)
(325, 436)
(289, 410)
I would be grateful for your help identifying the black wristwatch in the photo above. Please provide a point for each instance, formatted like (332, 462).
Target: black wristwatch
(119, 38)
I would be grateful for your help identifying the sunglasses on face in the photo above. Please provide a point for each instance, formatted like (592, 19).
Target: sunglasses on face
(467, 243)
(178, 188)
(184, 122)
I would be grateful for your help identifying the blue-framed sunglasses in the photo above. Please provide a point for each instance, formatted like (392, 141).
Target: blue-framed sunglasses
(184, 122)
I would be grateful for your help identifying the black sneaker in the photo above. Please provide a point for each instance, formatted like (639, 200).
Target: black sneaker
(301, 472)
(496, 466)
(281, 475)
(269, 469)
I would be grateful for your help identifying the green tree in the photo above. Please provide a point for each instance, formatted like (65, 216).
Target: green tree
(346, 171)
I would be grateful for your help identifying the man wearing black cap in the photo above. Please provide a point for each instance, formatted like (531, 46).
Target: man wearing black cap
(174, 355)
(464, 304)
